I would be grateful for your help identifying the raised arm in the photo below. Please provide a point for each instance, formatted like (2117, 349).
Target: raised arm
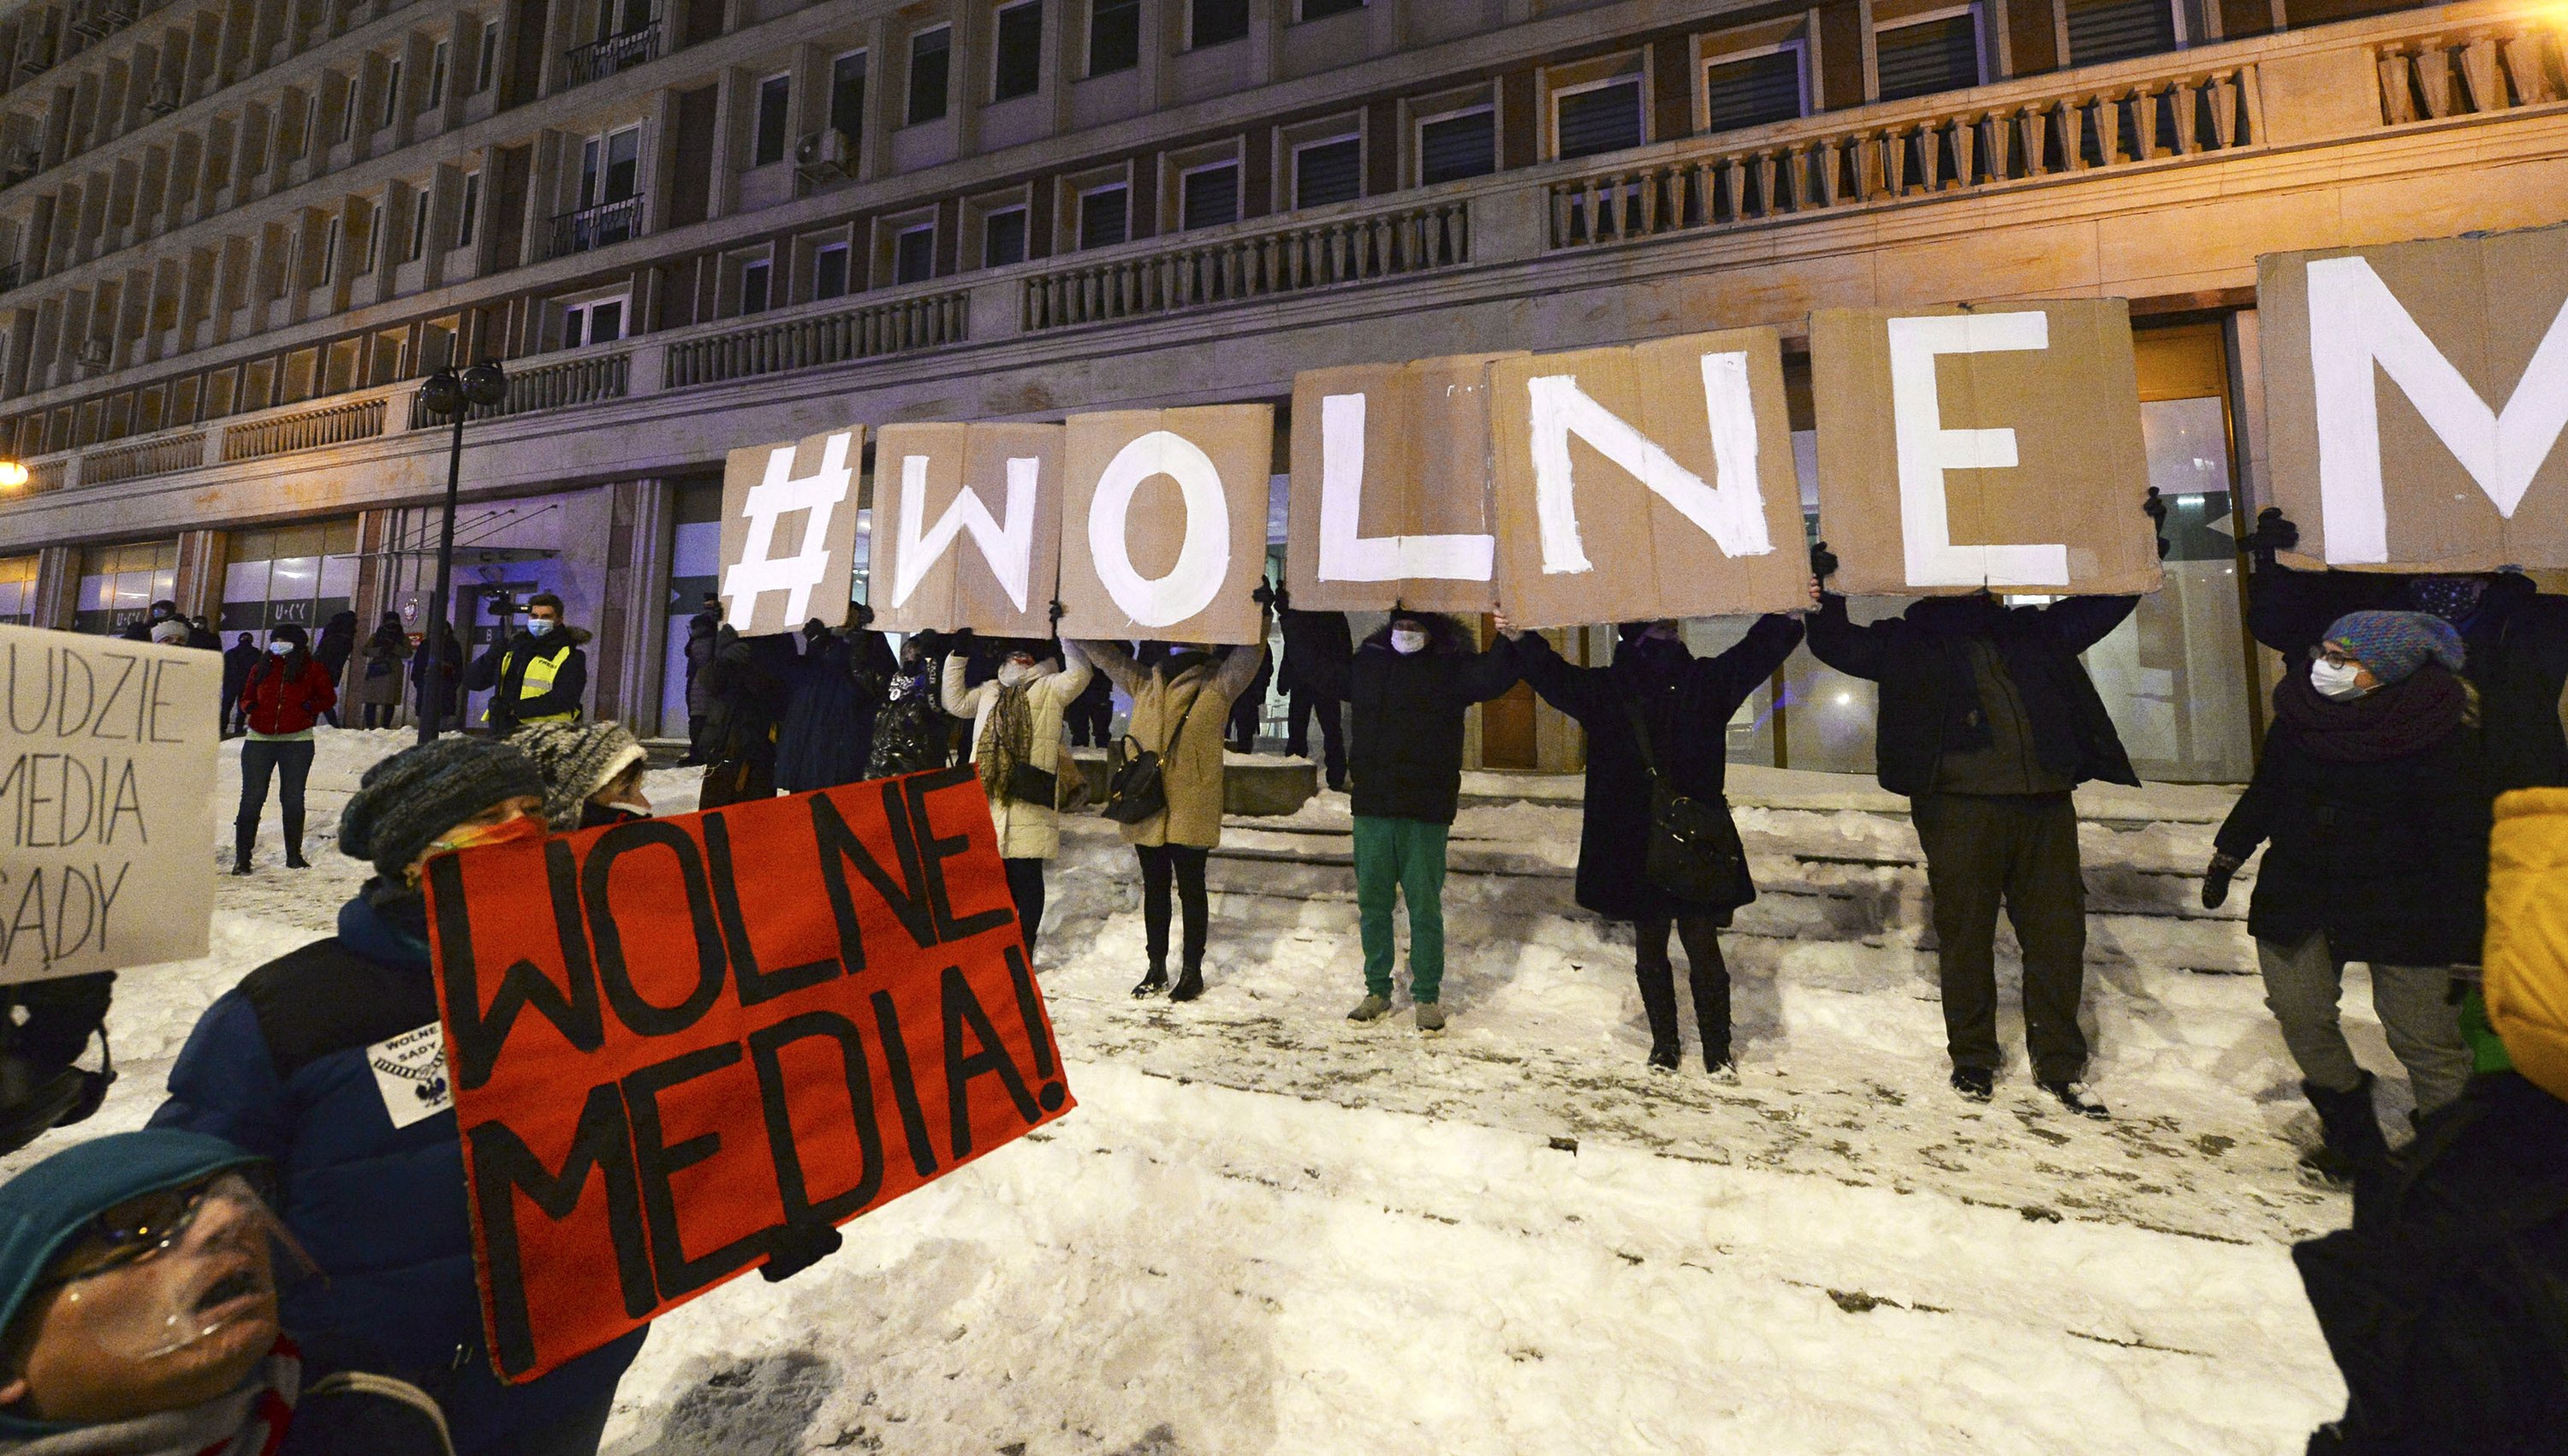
(1491, 674)
(1115, 659)
(1732, 675)
(1239, 670)
(1580, 692)
(2082, 622)
(1074, 677)
(950, 690)
(1837, 640)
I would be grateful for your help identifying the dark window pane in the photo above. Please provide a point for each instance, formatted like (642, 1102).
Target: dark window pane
(913, 256)
(606, 321)
(1002, 238)
(1102, 219)
(1114, 36)
(752, 288)
(1928, 56)
(774, 95)
(1020, 52)
(1607, 119)
(2116, 30)
(1322, 9)
(830, 273)
(1217, 21)
(1211, 198)
(928, 54)
(1458, 147)
(847, 96)
(1332, 172)
(1754, 91)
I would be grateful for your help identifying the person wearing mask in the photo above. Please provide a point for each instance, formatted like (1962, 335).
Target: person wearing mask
(2371, 805)
(1015, 749)
(1181, 702)
(593, 773)
(379, 685)
(139, 1288)
(1315, 643)
(284, 697)
(747, 682)
(701, 646)
(1656, 716)
(537, 676)
(438, 687)
(139, 630)
(2515, 634)
(911, 729)
(1987, 721)
(242, 656)
(375, 1192)
(820, 740)
(202, 636)
(338, 642)
(2446, 1305)
(172, 633)
(1411, 684)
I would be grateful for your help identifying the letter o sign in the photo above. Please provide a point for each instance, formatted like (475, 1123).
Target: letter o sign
(1203, 558)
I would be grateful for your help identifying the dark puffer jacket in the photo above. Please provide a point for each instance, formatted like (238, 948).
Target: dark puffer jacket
(2387, 855)
(1405, 750)
(1930, 702)
(1687, 703)
(278, 1065)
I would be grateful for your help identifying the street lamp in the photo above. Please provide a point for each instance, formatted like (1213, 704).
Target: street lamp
(444, 393)
(12, 474)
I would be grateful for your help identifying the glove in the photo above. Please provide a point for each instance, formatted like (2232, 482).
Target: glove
(2215, 881)
(960, 642)
(1057, 612)
(1824, 562)
(796, 1247)
(2155, 508)
(1264, 596)
(2274, 532)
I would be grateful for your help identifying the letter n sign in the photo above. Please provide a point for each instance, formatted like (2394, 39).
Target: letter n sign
(2415, 399)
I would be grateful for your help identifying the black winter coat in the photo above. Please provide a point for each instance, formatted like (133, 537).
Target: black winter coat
(1687, 703)
(1314, 640)
(2518, 654)
(2446, 1304)
(2390, 858)
(747, 684)
(1930, 701)
(1406, 750)
(827, 726)
(337, 644)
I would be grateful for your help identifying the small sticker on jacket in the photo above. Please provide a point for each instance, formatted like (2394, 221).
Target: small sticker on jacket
(410, 1070)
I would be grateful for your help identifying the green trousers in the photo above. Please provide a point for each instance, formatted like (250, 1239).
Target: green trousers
(1395, 857)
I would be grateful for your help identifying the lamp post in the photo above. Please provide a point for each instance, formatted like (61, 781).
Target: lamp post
(445, 393)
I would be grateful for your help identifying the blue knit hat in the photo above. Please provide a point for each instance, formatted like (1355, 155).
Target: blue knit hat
(2394, 645)
(45, 1209)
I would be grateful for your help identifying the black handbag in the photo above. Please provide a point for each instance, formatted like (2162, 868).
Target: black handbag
(1694, 853)
(1136, 787)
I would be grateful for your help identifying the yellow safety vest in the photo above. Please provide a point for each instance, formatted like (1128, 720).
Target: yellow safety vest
(537, 682)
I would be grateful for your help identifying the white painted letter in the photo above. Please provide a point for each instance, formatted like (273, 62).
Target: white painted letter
(1009, 550)
(1347, 556)
(768, 501)
(1204, 557)
(1927, 449)
(1732, 512)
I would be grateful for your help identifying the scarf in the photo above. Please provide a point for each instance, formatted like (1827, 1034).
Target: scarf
(2404, 718)
(1005, 740)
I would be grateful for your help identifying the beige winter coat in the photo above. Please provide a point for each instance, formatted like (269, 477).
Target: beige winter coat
(1200, 698)
(1025, 831)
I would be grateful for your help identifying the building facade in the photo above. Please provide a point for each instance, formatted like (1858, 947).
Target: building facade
(234, 234)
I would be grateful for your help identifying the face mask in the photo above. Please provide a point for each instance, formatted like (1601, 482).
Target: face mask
(169, 1271)
(2338, 682)
(1404, 640)
(539, 624)
(479, 837)
(280, 647)
(1013, 675)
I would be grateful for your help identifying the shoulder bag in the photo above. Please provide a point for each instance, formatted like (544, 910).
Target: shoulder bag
(1694, 851)
(1136, 787)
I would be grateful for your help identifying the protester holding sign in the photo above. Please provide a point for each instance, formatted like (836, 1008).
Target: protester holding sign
(284, 697)
(827, 729)
(1016, 721)
(1180, 704)
(311, 1062)
(538, 676)
(1987, 721)
(1411, 684)
(1656, 721)
(2370, 801)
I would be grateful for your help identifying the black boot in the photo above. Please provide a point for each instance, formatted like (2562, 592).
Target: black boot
(2354, 1145)
(1189, 985)
(1658, 1001)
(294, 843)
(1153, 984)
(243, 835)
(1712, 1016)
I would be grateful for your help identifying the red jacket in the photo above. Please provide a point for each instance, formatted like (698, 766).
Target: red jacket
(278, 704)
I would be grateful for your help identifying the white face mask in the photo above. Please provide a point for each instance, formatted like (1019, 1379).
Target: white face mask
(539, 625)
(1013, 674)
(2339, 681)
(1406, 639)
(280, 647)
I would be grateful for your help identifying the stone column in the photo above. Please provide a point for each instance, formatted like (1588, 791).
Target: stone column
(633, 609)
(203, 556)
(57, 586)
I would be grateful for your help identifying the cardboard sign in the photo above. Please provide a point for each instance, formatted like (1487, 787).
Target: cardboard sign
(967, 529)
(789, 532)
(676, 1041)
(107, 782)
(1996, 447)
(1164, 529)
(2415, 399)
(1390, 502)
(1647, 482)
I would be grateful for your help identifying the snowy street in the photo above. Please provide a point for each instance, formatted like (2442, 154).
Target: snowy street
(1266, 1229)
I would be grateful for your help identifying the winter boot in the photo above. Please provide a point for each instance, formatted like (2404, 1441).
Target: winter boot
(1189, 985)
(1153, 984)
(1975, 1084)
(1658, 1001)
(294, 843)
(243, 836)
(1371, 1008)
(2079, 1098)
(1430, 1017)
(1712, 1018)
(2354, 1143)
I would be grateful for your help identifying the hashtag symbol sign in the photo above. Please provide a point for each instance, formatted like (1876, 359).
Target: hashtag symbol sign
(782, 491)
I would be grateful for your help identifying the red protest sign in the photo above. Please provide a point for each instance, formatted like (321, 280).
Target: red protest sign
(674, 1040)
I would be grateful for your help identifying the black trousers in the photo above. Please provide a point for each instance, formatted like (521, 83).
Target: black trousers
(291, 762)
(696, 750)
(1300, 711)
(379, 714)
(1185, 865)
(1706, 973)
(2019, 850)
(1246, 715)
(1026, 888)
(1090, 723)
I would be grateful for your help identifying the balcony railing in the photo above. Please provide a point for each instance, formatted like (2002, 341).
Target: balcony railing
(1265, 264)
(161, 456)
(596, 227)
(857, 333)
(308, 429)
(2518, 62)
(558, 386)
(601, 59)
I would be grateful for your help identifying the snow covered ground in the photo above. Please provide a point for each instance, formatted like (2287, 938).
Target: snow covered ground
(1268, 1230)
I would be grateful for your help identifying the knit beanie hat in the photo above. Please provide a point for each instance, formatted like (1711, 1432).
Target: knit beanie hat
(407, 800)
(576, 760)
(2394, 645)
(44, 1209)
(170, 633)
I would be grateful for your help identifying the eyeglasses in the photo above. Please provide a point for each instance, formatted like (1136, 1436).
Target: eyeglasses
(141, 1228)
(2334, 657)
